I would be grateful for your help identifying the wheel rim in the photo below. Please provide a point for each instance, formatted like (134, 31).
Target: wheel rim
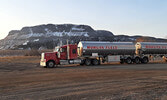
(51, 64)
(137, 60)
(95, 62)
(88, 62)
(128, 60)
(145, 60)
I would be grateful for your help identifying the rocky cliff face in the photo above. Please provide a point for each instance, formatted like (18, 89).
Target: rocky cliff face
(48, 36)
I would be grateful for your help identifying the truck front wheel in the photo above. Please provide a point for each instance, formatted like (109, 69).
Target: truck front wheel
(50, 64)
(87, 62)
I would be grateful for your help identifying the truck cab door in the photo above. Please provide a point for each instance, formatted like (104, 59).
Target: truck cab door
(63, 53)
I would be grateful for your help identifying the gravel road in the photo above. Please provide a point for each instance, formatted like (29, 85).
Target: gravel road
(26, 80)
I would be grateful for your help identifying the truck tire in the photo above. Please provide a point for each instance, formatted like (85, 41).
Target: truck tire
(82, 62)
(145, 60)
(137, 60)
(87, 62)
(99, 62)
(128, 60)
(50, 64)
(95, 62)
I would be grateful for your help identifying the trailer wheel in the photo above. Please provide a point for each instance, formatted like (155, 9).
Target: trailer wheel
(145, 60)
(128, 60)
(50, 64)
(137, 60)
(95, 62)
(87, 62)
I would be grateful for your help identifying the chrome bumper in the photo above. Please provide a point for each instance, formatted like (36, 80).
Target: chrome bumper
(42, 63)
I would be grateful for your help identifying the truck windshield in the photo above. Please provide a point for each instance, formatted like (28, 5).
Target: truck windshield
(57, 49)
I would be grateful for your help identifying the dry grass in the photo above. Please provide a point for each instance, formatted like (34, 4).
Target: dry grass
(20, 59)
(4, 53)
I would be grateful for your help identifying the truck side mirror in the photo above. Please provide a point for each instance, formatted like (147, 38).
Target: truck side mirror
(61, 50)
(58, 54)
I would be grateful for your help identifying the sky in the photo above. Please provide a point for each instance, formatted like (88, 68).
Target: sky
(128, 17)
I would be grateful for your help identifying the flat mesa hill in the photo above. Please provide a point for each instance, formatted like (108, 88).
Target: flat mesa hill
(48, 36)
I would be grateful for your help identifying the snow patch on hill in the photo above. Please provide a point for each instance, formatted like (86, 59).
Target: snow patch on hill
(77, 29)
(36, 40)
(25, 43)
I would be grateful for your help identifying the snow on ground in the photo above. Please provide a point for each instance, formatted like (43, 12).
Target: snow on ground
(46, 29)
(132, 39)
(25, 43)
(37, 35)
(77, 29)
(20, 48)
(50, 33)
(36, 40)
(1, 47)
(68, 34)
(76, 33)
(86, 35)
(56, 27)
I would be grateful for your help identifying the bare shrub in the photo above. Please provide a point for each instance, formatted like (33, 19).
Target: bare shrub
(145, 39)
(11, 53)
(32, 53)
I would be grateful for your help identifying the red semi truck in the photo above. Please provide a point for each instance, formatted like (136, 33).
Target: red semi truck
(94, 53)
(63, 54)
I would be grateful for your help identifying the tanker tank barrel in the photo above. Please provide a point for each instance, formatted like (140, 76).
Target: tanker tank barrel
(106, 48)
(151, 48)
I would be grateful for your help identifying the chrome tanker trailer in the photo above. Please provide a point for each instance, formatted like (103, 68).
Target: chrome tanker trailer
(125, 52)
(152, 49)
(88, 48)
(109, 52)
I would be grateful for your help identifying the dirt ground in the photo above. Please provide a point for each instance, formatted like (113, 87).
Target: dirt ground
(21, 78)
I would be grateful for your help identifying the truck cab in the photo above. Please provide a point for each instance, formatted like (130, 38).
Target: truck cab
(62, 55)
